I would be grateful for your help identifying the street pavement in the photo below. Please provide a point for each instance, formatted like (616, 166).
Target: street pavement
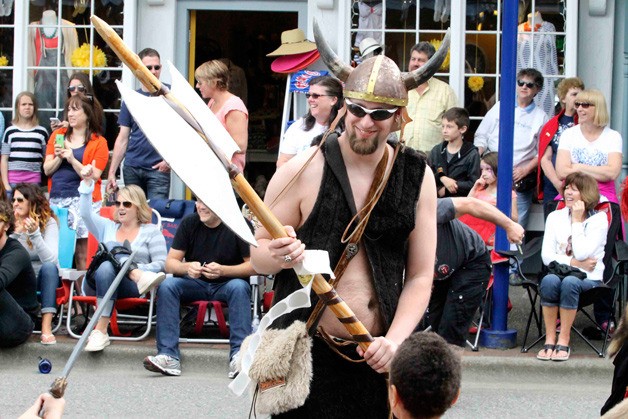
(112, 384)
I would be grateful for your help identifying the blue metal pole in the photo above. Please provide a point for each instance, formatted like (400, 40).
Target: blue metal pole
(500, 336)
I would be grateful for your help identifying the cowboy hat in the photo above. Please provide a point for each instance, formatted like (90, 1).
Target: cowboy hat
(293, 42)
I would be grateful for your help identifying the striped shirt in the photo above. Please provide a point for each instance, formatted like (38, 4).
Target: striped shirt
(149, 243)
(25, 148)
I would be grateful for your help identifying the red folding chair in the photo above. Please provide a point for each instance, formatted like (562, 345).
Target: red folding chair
(121, 305)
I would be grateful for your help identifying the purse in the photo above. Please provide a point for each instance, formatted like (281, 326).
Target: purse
(282, 369)
(527, 183)
(561, 270)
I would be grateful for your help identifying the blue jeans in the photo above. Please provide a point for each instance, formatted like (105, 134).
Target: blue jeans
(15, 324)
(565, 293)
(156, 185)
(174, 291)
(524, 201)
(47, 283)
(100, 283)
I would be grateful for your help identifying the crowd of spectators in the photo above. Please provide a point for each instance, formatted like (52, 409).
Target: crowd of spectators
(574, 156)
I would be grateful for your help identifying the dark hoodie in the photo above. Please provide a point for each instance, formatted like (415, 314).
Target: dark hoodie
(464, 167)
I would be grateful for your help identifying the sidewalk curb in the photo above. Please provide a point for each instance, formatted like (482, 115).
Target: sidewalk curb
(203, 355)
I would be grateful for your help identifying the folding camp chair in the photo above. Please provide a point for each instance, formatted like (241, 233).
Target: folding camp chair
(120, 313)
(614, 284)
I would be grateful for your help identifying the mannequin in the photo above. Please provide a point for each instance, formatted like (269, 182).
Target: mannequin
(536, 47)
(50, 46)
(370, 18)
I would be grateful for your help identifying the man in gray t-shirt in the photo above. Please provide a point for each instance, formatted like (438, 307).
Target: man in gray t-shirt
(463, 265)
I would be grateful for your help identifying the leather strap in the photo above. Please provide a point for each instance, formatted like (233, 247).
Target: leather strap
(330, 130)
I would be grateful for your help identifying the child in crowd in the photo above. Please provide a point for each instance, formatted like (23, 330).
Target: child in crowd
(425, 377)
(485, 189)
(456, 163)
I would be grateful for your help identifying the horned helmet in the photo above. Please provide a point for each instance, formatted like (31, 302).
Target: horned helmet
(378, 79)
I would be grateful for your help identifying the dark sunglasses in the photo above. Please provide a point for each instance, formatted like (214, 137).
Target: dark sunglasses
(156, 67)
(527, 84)
(18, 199)
(584, 105)
(375, 114)
(125, 204)
(314, 95)
(80, 88)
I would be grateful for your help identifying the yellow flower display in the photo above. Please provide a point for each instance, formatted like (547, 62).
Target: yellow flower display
(80, 57)
(475, 83)
(436, 44)
(4, 61)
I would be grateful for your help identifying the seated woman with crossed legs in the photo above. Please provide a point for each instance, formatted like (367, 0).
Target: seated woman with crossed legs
(131, 222)
(575, 236)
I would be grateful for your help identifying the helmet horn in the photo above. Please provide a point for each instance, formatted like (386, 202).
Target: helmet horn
(330, 58)
(419, 76)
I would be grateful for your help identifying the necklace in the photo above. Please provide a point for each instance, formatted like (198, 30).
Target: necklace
(52, 36)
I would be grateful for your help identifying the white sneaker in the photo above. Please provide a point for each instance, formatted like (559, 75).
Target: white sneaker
(97, 341)
(149, 280)
(164, 364)
(233, 366)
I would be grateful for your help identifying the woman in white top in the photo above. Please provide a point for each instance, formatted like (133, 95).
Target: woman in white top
(37, 229)
(591, 146)
(131, 222)
(574, 236)
(324, 99)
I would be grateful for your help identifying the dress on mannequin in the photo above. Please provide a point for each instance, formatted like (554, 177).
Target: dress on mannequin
(537, 49)
(47, 44)
(370, 18)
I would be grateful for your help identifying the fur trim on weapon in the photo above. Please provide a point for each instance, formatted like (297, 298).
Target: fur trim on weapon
(282, 369)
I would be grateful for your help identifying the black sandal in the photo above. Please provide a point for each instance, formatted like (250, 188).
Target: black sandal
(564, 349)
(547, 347)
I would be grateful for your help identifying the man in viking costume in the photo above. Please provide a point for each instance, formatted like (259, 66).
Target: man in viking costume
(387, 282)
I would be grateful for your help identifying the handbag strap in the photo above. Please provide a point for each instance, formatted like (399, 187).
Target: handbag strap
(362, 217)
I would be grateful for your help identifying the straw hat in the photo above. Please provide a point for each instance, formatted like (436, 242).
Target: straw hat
(293, 42)
(369, 46)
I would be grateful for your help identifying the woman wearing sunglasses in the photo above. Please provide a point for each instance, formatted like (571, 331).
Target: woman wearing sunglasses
(591, 146)
(23, 144)
(37, 229)
(68, 151)
(131, 222)
(213, 82)
(324, 100)
(79, 84)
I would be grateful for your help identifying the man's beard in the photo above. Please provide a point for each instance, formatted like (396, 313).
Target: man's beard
(363, 147)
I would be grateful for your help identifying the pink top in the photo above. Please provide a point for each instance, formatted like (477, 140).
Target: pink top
(234, 103)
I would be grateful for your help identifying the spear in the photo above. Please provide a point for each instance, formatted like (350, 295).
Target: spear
(322, 288)
(57, 389)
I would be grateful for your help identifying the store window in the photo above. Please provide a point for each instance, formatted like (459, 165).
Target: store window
(544, 36)
(62, 41)
(7, 30)
(398, 26)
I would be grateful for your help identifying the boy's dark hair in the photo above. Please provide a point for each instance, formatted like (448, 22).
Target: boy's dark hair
(427, 375)
(458, 115)
(148, 52)
(534, 74)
